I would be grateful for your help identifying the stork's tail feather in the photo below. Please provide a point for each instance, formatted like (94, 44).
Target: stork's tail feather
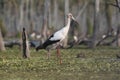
(39, 47)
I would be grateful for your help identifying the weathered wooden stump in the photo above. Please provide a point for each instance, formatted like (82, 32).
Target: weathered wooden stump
(25, 45)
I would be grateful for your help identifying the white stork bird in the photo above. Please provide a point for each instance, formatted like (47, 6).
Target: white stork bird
(57, 37)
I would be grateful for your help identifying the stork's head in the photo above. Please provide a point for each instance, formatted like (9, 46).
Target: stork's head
(73, 21)
(69, 15)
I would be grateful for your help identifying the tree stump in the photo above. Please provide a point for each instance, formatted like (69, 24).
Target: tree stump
(25, 45)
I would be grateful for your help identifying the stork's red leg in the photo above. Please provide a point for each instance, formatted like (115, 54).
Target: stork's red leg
(58, 54)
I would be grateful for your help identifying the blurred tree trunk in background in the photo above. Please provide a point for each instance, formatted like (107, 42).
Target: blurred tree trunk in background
(7, 13)
(49, 15)
(2, 6)
(118, 25)
(108, 18)
(45, 21)
(31, 13)
(118, 36)
(30, 17)
(55, 17)
(2, 27)
(15, 14)
(46, 16)
(96, 24)
(21, 19)
(2, 47)
(66, 10)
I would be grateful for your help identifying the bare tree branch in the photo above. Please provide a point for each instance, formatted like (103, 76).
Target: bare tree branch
(82, 10)
(115, 5)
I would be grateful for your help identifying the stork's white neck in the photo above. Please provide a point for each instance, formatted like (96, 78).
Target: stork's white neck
(68, 23)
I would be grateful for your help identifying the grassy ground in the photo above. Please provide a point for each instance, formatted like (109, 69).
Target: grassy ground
(98, 64)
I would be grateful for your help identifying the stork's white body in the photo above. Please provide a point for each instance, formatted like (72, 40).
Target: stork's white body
(62, 33)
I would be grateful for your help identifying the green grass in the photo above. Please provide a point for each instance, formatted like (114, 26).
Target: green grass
(98, 64)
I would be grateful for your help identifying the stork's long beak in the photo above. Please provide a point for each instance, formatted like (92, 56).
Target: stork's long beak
(74, 22)
(73, 18)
